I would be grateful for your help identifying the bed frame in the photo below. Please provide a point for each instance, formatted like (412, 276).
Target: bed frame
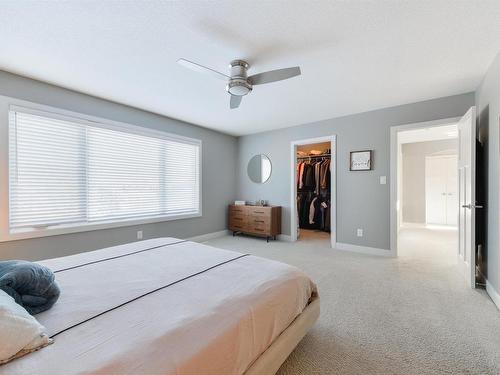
(270, 361)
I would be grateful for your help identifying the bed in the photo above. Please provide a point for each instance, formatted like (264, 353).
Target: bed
(169, 306)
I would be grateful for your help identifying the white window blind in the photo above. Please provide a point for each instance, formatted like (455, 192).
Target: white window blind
(66, 172)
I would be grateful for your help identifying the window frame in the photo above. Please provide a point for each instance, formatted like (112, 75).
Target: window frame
(52, 112)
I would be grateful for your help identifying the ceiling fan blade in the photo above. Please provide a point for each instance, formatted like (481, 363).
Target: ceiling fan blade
(274, 75)
(202, 69)
(235, 101)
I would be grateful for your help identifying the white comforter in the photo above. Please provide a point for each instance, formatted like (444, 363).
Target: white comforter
(216, 322)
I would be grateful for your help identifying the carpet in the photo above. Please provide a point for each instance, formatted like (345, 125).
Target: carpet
(407, 315)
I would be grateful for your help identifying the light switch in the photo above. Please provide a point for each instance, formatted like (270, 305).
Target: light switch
(383, 180)
(139, 234)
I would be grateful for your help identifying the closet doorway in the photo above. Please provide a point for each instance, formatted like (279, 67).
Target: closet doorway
(313, 199)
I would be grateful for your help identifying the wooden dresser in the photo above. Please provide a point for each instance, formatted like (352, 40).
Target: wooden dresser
(255, 220)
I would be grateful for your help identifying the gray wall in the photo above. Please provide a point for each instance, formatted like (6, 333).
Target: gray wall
(488, 107)
(219, 163)
(413, 207)
(362, 202)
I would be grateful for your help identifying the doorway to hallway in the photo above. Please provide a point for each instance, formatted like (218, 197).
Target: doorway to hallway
(428, 194)
(464, 129)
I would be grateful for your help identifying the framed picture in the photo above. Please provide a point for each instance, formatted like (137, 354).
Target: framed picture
(360, 160)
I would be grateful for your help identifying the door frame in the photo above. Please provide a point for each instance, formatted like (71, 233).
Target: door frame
(395, 209)
(333, 185)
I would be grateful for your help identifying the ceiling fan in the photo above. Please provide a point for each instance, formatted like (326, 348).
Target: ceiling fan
(239, 83)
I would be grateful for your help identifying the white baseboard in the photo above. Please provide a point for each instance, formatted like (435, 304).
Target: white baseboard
(427, 226)
(412, 225)
(208, 236)
(494, 295)
(285, 237)
(222, 233)
(363, 249)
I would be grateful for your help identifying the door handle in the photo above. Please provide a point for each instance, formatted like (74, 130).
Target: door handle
(471, 206)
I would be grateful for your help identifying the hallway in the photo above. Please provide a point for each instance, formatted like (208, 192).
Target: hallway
(434, 244)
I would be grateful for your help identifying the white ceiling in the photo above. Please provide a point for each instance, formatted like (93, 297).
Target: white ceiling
(435, 133)
(355, 55)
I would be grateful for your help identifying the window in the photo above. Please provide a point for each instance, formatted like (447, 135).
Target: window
(66, 171)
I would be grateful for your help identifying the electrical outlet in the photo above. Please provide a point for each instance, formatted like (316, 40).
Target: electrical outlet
(360, 232)
(139, 234)
(383, 180)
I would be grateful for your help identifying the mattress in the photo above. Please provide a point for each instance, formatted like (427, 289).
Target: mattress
(165, 306)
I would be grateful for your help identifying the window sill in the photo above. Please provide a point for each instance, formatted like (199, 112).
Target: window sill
(37, 233)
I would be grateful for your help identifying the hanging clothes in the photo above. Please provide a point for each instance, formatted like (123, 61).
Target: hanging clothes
(325, 174)
(317, 175)
(313, 192)
(308, 177)
(312, 210)
(300, 172)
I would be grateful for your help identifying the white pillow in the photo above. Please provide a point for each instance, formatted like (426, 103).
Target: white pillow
(20, 333)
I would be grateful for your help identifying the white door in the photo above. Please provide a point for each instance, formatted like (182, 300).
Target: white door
(467, 195)
(452, 191)
(441, 203)
(435, 190)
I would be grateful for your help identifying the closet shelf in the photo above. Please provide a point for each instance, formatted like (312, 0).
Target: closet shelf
(313, 156)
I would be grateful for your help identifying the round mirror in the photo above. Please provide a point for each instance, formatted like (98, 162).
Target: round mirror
(259, 168)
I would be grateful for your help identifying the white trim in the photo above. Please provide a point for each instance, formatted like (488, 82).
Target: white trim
(86, 227)
(364, 249)
(394, 220)
(412, 225)
(494, 295)
(285, 238)
(14, 104)
(333, 183)
(88, 120)
(428, 226)
(209, 236)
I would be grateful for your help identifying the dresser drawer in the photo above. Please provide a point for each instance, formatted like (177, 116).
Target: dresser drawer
(237, 210)
(237, 218)
(237, 215)
(259, 211)
(238, 227)
(259, 220)
(258, 229)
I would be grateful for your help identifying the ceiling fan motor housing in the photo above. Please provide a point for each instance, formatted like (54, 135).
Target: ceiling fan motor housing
(238, 84)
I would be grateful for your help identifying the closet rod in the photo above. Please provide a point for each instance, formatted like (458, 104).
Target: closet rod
(313, 156)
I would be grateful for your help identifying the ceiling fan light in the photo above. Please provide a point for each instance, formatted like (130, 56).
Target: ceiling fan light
(238, 87)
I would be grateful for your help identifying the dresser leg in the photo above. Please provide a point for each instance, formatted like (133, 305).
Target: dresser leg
(267, 238)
